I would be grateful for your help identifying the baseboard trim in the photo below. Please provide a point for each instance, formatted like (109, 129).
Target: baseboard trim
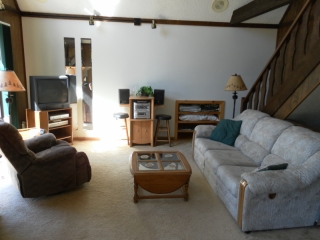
(86, 139)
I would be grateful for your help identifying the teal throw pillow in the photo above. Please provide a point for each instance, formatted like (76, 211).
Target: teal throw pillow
(226, 131)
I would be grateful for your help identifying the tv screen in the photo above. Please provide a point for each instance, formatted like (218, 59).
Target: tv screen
(52, 91)
(49, 92)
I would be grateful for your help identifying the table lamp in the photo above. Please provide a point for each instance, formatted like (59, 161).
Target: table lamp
(235, 84)
(70, 70)
(9, 82)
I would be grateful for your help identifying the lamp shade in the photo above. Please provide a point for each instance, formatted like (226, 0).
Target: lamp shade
(70, 70)
(2, 7)
(235, 83)
(10, 82)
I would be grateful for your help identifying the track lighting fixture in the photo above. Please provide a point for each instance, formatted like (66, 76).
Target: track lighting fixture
(91, 21)
(2, 7)
(137, 21)
(153, 24)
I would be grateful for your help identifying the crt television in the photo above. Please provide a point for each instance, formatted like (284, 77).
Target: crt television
(49, 92)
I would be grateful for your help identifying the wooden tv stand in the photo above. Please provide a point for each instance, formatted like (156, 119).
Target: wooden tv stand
(41, 119)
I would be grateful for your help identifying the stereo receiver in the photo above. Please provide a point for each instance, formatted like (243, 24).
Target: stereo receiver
(141, 109)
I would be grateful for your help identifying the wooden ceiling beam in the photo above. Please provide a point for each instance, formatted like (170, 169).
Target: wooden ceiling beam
(145, 20)
(256, 8)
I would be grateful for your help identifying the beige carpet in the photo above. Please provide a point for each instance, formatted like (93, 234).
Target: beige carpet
(103, 208)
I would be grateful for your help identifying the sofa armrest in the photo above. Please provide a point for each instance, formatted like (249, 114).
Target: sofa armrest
(285, 181)
(203, 131)
(40, 143)
(270, 210)
(272, 181)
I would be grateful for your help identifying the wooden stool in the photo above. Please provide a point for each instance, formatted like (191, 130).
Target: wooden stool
(123, 116)
(166, 128)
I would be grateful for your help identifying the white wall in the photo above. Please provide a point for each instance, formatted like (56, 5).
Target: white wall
(189, 62)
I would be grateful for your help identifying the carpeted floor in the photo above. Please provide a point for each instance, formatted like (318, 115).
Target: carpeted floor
(103, 208)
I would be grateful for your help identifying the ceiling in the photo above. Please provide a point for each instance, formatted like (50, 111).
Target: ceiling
(183, 10)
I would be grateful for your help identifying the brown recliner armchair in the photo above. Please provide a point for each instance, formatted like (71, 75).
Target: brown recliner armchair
(42, 165)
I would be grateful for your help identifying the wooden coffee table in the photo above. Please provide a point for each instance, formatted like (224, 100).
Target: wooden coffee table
(160, 173)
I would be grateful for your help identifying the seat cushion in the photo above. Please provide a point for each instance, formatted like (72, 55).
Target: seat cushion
(205, 144)
(216, 158)
(202, 145)
(230, 176)
(163, 117)
(254, 151)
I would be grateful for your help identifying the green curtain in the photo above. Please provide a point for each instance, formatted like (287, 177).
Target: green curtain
(6, 63)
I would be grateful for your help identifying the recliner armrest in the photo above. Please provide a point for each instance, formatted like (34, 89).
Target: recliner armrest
(61, 152)
(40, 143)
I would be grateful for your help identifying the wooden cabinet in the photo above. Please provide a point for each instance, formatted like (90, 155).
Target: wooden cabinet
(141, 129)
(58, 122)
(195, 113)
(141, 132)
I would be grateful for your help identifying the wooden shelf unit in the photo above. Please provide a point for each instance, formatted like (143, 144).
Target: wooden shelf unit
(184, 129)
(41, 119)
(141, 130)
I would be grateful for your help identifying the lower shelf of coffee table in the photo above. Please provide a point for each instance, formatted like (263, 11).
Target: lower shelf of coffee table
(144, 194)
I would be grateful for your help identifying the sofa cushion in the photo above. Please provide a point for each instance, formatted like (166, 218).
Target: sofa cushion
(226, 131)
(216, 158)
(249, 119)
(267, 130)
(263, 136)
(272, 159)
(241, 139)
(230, 176)
(202, 145)
(296, 144)
(205, 144)
(254, 151)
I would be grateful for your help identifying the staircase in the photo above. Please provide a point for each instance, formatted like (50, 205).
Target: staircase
(293, 71)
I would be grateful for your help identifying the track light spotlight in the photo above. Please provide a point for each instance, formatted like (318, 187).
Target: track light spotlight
(91, 21)
(2, 7)
(153, 24)
(137, 21)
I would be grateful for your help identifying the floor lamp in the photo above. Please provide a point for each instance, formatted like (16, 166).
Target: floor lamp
(9, 82)
(235, 84)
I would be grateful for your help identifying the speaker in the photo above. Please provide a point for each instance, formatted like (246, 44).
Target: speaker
(73, 88)
(158, 96)
(124, 96)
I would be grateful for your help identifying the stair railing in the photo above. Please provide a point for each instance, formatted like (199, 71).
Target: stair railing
(294, 59)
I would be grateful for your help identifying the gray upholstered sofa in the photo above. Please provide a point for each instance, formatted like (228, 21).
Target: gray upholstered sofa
(268, 199)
